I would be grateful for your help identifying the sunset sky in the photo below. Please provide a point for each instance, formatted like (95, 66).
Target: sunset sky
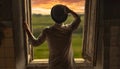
(44, 6)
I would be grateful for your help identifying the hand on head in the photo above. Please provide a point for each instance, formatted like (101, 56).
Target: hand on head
(67, 10)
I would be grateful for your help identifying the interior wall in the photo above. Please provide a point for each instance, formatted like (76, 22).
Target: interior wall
(108, 50)
(12, 50)
(108, 24)
(18, 33)
(100, 34)
(7, 57)
(112, 34)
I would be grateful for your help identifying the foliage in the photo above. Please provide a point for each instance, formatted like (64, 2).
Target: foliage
(39, 22)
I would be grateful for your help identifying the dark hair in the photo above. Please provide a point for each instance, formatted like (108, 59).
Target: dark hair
(58, 13)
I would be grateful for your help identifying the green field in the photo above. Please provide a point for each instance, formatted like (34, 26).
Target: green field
(39, 22)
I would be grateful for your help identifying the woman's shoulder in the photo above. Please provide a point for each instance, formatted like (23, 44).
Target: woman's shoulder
(47, 28)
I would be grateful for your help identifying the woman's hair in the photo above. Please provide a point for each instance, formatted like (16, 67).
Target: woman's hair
(58, 13)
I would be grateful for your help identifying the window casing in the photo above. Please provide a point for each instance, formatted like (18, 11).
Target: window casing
(90, 31)
(27, 19)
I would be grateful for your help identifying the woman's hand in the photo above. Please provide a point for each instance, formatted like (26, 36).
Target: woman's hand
(67, 10)
(25, 25)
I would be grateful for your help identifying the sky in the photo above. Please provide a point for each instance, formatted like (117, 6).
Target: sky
(44, 6)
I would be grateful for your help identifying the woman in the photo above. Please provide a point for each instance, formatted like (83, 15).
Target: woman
(59, 38)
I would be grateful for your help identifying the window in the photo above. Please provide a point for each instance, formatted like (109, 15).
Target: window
(90, 31)
(41, 18)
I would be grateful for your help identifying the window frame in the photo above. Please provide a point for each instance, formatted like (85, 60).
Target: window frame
(27, 19)
(92, 22)
(89, 57)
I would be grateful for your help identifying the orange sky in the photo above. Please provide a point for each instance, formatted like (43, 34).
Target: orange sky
(44, 6)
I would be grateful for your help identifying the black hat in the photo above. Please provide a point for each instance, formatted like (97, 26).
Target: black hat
(58, 13)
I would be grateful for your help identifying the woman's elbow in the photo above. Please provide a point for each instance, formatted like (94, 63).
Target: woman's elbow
(35, 44)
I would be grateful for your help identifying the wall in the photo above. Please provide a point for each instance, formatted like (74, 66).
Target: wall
(108, 50)
(12, 50)
(7, 57)
(112, 34)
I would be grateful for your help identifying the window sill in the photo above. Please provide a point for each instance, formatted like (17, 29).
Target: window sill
(43, 63)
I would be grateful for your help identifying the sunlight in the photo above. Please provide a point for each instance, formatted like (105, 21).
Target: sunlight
(40, 10)
(43, 6)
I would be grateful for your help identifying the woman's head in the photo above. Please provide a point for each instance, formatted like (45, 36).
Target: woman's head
(58, 13)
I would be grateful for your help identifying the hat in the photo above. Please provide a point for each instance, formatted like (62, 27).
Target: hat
(58, 13)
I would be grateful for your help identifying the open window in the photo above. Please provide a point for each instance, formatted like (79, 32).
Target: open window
(41, 19)
(90, 31)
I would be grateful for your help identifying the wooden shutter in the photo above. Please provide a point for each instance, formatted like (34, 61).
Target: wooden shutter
(90, 32)
(27, 19)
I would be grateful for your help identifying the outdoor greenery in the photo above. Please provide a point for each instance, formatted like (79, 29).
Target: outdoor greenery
(39, 22)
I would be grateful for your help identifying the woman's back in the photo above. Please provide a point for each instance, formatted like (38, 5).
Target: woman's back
(59, 43)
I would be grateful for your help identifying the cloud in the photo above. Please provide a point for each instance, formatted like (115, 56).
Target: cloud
(40, 11)
(76, 5)
(69, 1)
(40, 1)
(48, 1)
